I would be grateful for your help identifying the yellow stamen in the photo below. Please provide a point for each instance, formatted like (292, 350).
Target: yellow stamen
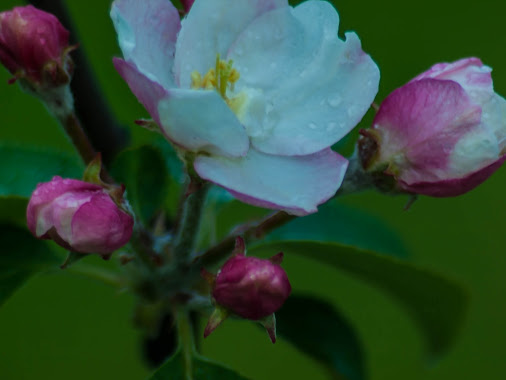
(220, 78)
(196, 80)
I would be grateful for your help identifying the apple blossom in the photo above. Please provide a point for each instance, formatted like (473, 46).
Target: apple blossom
(34, 46)
(441, 134)
(79, 216)
(257, 89)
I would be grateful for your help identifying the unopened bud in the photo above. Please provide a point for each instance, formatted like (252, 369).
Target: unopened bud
(249, 287)
(442, 134)
(34, 46)
(79, 216)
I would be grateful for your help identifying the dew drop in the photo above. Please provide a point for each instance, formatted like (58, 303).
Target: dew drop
(334, 100)
(312, 126)
(352, 111)
(331, 126)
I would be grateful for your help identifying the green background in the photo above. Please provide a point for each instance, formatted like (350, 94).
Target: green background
(66, 327)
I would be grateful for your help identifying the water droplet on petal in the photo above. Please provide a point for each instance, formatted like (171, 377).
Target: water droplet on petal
(331, 126)
(334, 100)
(352, 111)
(312, 126)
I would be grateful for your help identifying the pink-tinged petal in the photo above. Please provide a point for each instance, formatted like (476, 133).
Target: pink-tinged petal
(46, 192)
(200, 120)
(296, 184)
(148, 93)
(317, 87)
(425, 117)
(99, 226)
(210, 28)
(60, 211)
(474, 77)
(455, 186)
(147, 32)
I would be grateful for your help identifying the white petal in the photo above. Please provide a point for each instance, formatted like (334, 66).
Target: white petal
(294, 184)
(200, 120)
(494, 116)
(147, 32)
(317, 86)
(210, 28)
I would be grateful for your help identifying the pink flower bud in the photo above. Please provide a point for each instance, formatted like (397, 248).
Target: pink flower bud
(441, 134)
(79, 216)
(34, 45)
(250, 287)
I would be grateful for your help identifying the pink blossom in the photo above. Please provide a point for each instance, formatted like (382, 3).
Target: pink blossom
(259, 90)
(33, 43)
(79, 216)
(441, 134)
(250, 287)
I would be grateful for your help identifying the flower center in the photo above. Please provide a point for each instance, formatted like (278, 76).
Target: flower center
(221, 78)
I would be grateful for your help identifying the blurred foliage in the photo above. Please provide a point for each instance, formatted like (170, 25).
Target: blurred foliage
(58, 324)
(319, 331)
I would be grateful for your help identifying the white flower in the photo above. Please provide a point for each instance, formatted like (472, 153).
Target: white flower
(260, 90)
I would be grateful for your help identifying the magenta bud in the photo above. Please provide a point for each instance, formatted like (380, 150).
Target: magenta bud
(79, 216)
(442, 134)
(250, 287)
(34, 45)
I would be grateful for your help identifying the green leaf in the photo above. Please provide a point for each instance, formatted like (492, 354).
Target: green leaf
(24, 167)
(336, 222)
(200, 369)
(13, 210)
(320, 331)
(22, 256)
(435, 303)
(144, 173)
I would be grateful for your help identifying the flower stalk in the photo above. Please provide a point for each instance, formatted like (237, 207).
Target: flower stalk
(186, 235)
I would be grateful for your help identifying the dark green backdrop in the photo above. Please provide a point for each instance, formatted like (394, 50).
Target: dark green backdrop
(64, 327)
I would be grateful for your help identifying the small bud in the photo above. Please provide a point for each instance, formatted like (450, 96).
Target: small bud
(249, 287)
(35, 46)
(79, 216)
(442, 134)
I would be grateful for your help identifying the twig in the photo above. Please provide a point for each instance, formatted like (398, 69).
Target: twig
(99, 124)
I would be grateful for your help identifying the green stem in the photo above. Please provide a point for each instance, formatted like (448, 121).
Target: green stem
(100, 274)
(252, 232)
(186, 341)
(189, 226)
(73, 128)
(356, 179)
